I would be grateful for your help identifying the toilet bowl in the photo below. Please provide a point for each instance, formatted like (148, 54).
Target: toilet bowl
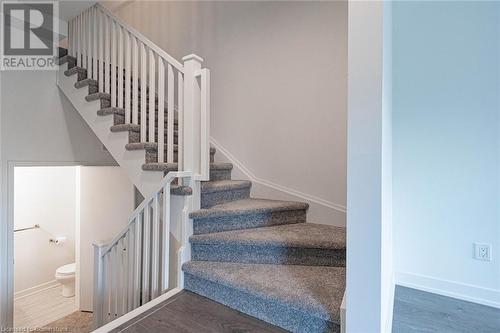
(65, 275)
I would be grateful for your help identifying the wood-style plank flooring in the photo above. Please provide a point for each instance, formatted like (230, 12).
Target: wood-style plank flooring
(42, 308)
(419, 311)
(189, 313)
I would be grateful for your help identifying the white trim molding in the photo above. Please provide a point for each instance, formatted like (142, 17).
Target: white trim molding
(454, 289)
(35, 290)
(290, 191)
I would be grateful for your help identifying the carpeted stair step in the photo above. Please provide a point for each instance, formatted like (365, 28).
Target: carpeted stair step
(79, 71)
(119, 116)
(220, 191)
(290, 244)
(134, 132)
(151, 151)
(216, 169)
(248, 213)
(303, 299)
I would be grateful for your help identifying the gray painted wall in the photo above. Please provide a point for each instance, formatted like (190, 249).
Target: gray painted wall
(279, 87)
(447, 147)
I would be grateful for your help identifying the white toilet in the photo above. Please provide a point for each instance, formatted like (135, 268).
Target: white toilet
(65, 275)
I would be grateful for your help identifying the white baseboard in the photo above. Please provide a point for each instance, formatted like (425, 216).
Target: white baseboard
(36, 289)
(454, 289)
(320, 210)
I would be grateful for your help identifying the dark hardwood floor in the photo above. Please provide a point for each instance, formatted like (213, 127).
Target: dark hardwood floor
(189, 313)
(419, 311)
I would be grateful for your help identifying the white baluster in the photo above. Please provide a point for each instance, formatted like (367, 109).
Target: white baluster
(146, 248)
(138, 262)
(114, 282)
(131, 267)
(89, 43)
(128, 82)
(180, 120)
(90, 71)
(84, 40)
(113, 63)
(205, 124)
(120, 277)
(170, 115)
(144, 80)
(95, 40)
(70, 37)
(78, 39)
(161, 110)
(135, 82)
(109, 277)
(155, 256)
(120, 67)
(165, 248)
(101, 50)
(107, 56)
(152, 76)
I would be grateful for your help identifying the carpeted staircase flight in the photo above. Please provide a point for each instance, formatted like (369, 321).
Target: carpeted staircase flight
(258, 256)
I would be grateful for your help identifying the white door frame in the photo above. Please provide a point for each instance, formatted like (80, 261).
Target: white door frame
(9, 246)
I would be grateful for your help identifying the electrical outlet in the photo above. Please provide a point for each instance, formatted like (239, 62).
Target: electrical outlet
(482, 252)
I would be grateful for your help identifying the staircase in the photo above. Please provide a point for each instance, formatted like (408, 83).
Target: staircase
(197, 229)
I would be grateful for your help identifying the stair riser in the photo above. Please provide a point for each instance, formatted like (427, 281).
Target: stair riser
(273, 312)
(268, 255)
(152, 156)
(238, 222)
(214, 198)
(220, 175)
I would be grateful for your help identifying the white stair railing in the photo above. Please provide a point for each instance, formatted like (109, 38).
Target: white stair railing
(134, 267)
(152, 87)
(153, 90)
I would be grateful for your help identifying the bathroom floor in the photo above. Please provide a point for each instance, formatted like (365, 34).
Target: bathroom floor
(42, 308)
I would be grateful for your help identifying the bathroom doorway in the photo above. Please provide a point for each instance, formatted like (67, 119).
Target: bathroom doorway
(56, 213)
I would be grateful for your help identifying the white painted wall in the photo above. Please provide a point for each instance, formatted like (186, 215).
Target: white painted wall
(370, 285)
(106, 202)
(44, 196)
(447, 146)
(37, 124)
(279, 72)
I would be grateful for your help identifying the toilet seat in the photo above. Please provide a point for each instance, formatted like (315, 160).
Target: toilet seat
(69, 269)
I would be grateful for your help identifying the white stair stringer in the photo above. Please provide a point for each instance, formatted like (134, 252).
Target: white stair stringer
(131, 160)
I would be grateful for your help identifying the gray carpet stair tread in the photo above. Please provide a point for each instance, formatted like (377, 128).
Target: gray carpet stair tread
(173, 166)
(304, 235)
(74, 70)
(317, 290)
(224, 185)
(86, 82)
(121, 112)
(248, 206)
(98, 96)
(180, 190)
(153, 146)
(133, 128)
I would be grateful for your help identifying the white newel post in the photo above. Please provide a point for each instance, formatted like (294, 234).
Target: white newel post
(98, 297)
(192, 106)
